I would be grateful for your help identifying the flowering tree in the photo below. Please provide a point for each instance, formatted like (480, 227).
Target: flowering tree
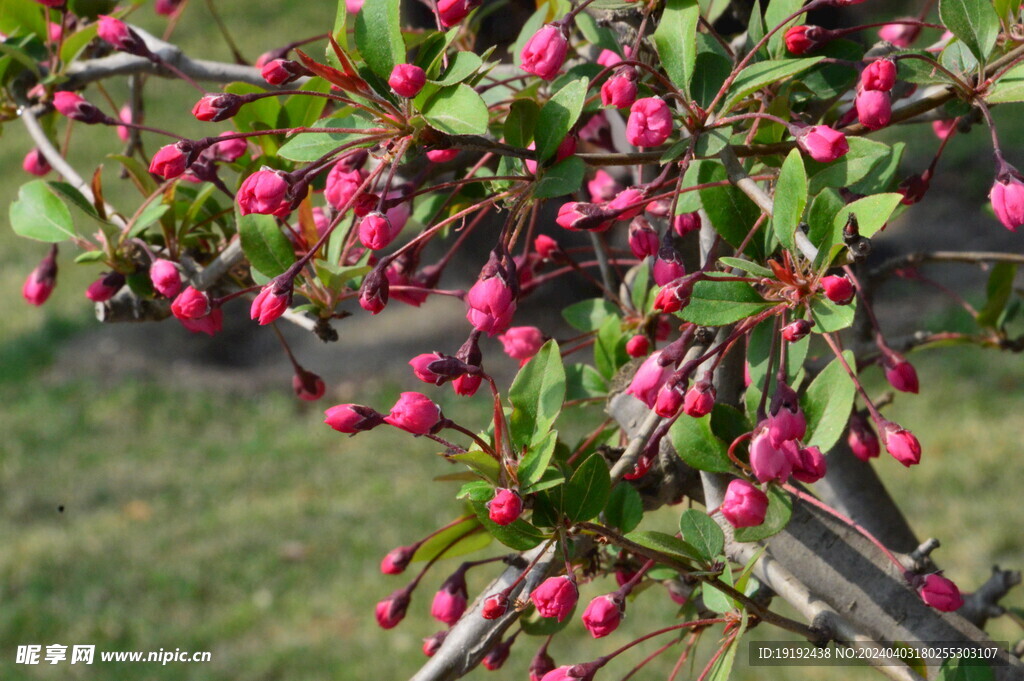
(718, 187)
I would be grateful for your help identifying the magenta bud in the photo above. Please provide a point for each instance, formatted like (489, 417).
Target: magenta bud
(772, 462)
(648, 379)
(546, 247)
(638, 346)
(264, 192)
(577, 216)
(442, 155)
(627, 204)
(862, 438)
(878, 75)
(491, 305)
(603, 615)
(822, 143)
(42, 280)
(191, 304)
(809, 465)
(522, 342)
(555, 597)
(494, 606)
(376, 232)
(940, 593)
(35, 163)
(415, 413)
(165, 278)
(351, 419)
(283, 71)
(451, 12)
(407, 80)
(900, 373)
(505, 507)
(118, 34)
(650, 122)
(670, 400)
(217, 107)
(800, 40)
(603, 187)
(744, 505)
(308, 386)
(170, 161)
(497, 656)
(674, 296)
(451, 599)
(397, 559)
(620, 90)
(838, 289)
(392, 610)
(432, 644)
(902, 444)
(797, 330)
(874, 109)
(684, 223)
(544, 53)
(700, 399)
(76, 108)
(900, 35)
(643, 240)
(541, 664)
(944, 128)
(1007, 196)
(786, 421)
(104, 288)
(668, 266)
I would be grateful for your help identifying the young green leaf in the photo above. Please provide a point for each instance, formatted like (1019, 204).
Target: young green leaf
(974, 22)
(667, 544)
(267, 249)
(790, 199)
(827, 404)
(762, 74)
(625, 509)
(703, 533)
(872, 213)
(565, 177)
(675, 39)
(536, 395)
(557, 117)
(457, 110)
(697, 445)
(717, 303)
(40, 214)
(378, 33)
(590, 314)
(586, 493)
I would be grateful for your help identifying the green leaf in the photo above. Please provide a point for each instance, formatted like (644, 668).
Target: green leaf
(715, 599)
(827, 404)
(610, 348)
(998, 290)
(537, 457)
(1009, 87)
(667, 544)
(625, 509)
(583, 381)
(557, 117)
(587, 491)
(151, 214)
(717, 303)
(774, 15)
(378, 33)
(435, 545)
(747, 266)
(703, 533)
(536, 395)
(303, 110)
(520, 535)
(21, 17)
(457, 110)
(476, 490)
(829, 316)
(521, 122)
(695, 444)
(709, 72)
(762, 74)
(872, 213)
(589, 315)
(76, 42)
(1006, 10)
(780, 510)
(267, 249)
(790, 199)
(974, 22)
(479, 462)
(712, 141)
(864, 154)
(675, 39)
(722, 669)
(565, 177)
(261, 114)
(40, 214)
(310, 146)
(460, 67)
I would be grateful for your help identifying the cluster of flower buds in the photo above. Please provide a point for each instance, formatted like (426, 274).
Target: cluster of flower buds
(874, 102)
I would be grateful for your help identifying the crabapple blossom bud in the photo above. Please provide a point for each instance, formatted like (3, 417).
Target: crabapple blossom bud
(421, 366)
(217, 107)
(684, 223)
(541, 664)
(803, 39)
(351, 419)
(555, 597)
(491, 305)
(648, 379)
(546, 247)
(51, 3)
(415, 413)
(638, 346)
(627, 204)
(35, 163)
(373, 294)
(353, 6)
(874, 109)
(661, 208)
(1007, 196)
(744, 505)
(166, 7)
(494, 606)
(391, 611)
(451, 599)
(620, 90)
(809, 466)
(797, 330)
(900, 373)
(667, 269)
(900, 35)
(700, 399)
(165, 277)
(940, 593)
(603, 187)
(505, 507)
(944, 128)
(41, 280)
(497, 656)
(272, 300)
(522, 342)
(771, 462)
(104, 288)
(574, 216)
(786, 421)
(902, 444)
(121, 36)
(283, 71)
(878, 75)
(822, 143)
(169, 161)
(210, 324)
(838, 289)
(603, 615)
(76, 108)
(862, 438)
(407, 80)
(308, 386)
(643, 240)
(230, 150)
(264, 192)
(650, 122)
(191, 304)
(674, 296)
(342, 184)
(376, 231)
(442, 155)
(670, 400)
(397, 559)
(544, 53)
(432, 644)
(451, 12)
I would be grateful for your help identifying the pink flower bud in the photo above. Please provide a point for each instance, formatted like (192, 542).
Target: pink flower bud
(307, 386)
(838, 289)
(940, 593)
(874, 109)
(167, 7)
(786, 421)
(35, 163)
(271, 302)
(211, 324)
(497, 655)
(541, 664)
(494, 606)
(392, 610)
(169, 161)
(667, 271)
(603, 615)
(104, 288)
(638, 346)
(575, 216)
(376, 232)
(862, 438)
(700, 399)
(670, 400)
(505, 507)
(878, 75)
(661, 208)
(41, 280)
(900, 373)
(230, 150)
(627, 204)
(620, 90)
(603, 187)
(407, 80)
(544, 53)
(803, 39)
(283, 71)
(415, 413)
(451, 599)
(555, 597)
(643, 240)
(397, 559)
(1007, 198)
(76, 108)
(351, 419)
(648, 379)
(451, 12)
(442, 155)
(165, 277)
(900, 35)
(902, 444)
(431, 644)
(118, 34)
(944, 128)
(822, 143)
(771, 462)
(744, 505)
(545, 246)
(491, 305)
(353, 6)
(650, 122)
(685, 223)
(264, 192)
(217, 107)
(373, 294)
(522, 342)
(797, 330)
(342, 184)
(809, 465)
(674, 296)
(125, 116)
(51, 3)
